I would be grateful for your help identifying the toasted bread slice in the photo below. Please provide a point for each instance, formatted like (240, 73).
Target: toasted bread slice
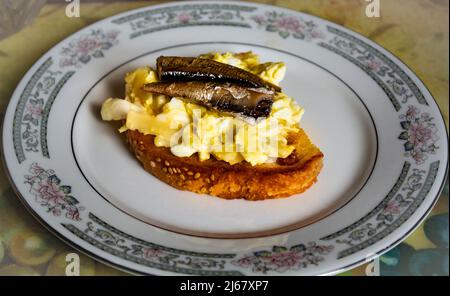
(286, 177)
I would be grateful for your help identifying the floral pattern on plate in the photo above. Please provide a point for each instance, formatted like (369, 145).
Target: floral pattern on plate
(281, 259)
(88, 46)
(419, 134)
(394, 81)
(112, 240)
(150, 252)
(50, 193)
(150, 21)
(389, 212)
(287, 25)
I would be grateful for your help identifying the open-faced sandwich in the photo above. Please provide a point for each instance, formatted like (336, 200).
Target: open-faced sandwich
(217, 124)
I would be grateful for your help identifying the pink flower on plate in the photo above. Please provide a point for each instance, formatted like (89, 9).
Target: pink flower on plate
(412, 113)
(244, 261)
(86, 45)
(289, 23)
(48, 192)
(392, 208)
(373, 64)
(72, 212)
(184, 17)
(51, 193)
(35, 110)
(66, 62)
(284, 261)
(152, 252)
(420, 133)
(259, 19)
(317, 34)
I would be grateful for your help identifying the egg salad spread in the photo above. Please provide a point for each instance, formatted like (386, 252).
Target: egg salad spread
(208, 132)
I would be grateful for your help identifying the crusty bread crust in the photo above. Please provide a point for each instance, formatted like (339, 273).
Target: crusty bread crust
(286, 177)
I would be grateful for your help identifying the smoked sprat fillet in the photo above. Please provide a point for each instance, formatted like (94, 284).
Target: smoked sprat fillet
(198, 69)
(224, 97)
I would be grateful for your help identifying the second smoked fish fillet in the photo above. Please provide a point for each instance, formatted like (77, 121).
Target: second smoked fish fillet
(224, 97)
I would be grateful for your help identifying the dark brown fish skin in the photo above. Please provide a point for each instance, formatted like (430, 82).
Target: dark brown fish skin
(224, 97)
(189, 69)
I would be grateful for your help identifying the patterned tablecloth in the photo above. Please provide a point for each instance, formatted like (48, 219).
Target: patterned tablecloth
(415, 30)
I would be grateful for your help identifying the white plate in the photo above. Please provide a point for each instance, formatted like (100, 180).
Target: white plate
(383, 137)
